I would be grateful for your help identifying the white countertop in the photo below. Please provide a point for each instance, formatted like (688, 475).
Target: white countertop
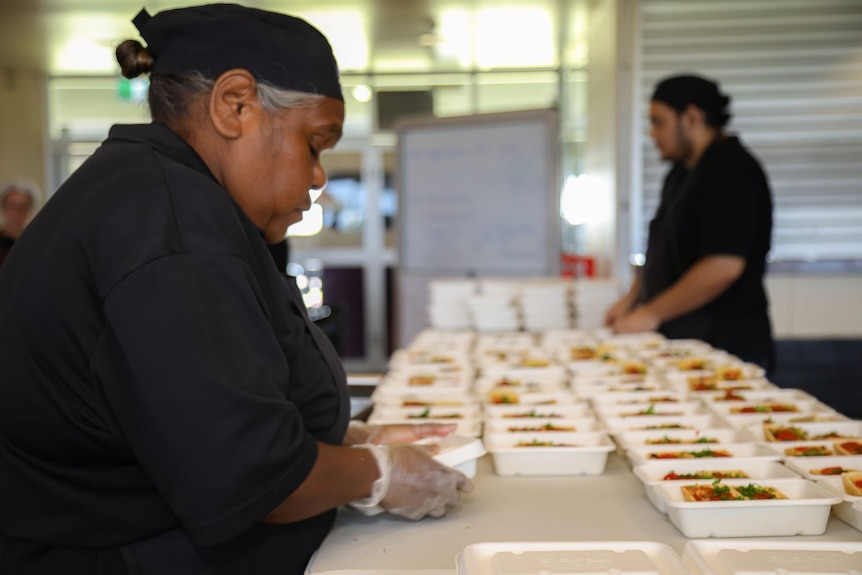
(608, 507)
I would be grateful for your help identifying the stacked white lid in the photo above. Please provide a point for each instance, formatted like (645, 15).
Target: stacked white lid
(546, 304)
(590, 299)
(494, 313)
(447, 307)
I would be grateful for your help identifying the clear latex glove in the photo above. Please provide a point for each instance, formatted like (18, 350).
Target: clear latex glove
(359, 432)
(418, 485)
(411, 483)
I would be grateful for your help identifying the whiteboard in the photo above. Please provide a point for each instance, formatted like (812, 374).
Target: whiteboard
(479, 197)
(480, 194)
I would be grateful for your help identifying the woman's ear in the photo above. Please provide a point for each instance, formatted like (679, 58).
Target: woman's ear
(232, 100)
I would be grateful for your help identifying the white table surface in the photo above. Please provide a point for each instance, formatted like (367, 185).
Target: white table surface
(608, 507)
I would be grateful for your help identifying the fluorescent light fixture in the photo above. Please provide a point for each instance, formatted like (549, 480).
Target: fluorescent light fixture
(347, 32)
(362, 93)
(515, 37)
(80, 55)
(455, 31)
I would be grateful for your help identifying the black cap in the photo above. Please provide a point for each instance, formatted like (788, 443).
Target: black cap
(680, 91)
(282, 50)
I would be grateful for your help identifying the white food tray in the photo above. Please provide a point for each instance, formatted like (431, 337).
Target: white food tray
(593, 368)
(848, 428)
(686, 437)
(543, 378)
(468, 427)
(430, 358)
(546, 373)
(700, 421)
(804, 465)
(680, 382)
(804, 512)
(588, 389)
(571, 410)
(731, 408)
(849, 508)
(753, 396)
(652, 474)
(515, 397)
(656, 396)
(640, 455)
(419, 413)
(649, 410)
(588, 456)
(752, 557)
(422, 400)
(443, 370)
(570, 558)
(781, 449)
(391, 393)
(544, 425)
(715, 362)
(821, 413)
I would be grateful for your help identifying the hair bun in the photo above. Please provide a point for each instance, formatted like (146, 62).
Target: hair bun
(133, 58)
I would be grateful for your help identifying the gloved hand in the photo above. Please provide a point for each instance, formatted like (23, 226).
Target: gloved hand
(412, 484)
(359, 432)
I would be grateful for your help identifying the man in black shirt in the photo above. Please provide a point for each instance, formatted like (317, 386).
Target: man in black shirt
(707, 247)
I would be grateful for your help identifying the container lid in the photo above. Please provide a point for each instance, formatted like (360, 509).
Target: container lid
(749, 557)
(570, 558)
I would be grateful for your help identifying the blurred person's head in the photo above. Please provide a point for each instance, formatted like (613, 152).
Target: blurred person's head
(17, 202)
(255, 93)
(686, 114)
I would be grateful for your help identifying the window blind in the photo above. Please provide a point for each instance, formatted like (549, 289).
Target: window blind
(793, 69)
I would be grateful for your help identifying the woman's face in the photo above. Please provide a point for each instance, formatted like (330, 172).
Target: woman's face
(272, 170)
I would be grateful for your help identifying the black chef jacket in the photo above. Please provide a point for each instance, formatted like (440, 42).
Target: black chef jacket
(162, 388)
(6, 244)
(723, 206)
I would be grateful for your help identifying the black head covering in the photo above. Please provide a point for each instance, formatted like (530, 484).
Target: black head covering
(282, 50)
(680, 91)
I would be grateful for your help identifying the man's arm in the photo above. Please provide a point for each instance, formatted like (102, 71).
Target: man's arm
(707, 279)
(623, 305)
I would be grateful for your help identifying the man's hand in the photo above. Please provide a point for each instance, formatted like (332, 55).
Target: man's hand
(616, 312)
(641, 319)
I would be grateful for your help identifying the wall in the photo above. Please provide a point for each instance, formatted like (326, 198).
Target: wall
(22, 117)
(824, 306)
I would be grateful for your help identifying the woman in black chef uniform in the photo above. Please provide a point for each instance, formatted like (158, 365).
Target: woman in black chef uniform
(707, 247)
(165, 404)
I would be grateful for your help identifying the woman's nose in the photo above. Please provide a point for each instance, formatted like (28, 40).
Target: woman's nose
(318, 179)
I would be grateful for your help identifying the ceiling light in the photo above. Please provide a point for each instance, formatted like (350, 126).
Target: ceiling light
(362, 93)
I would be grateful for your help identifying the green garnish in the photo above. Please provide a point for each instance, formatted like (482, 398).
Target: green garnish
(703, 453)
(722, 491)
(706, 440)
